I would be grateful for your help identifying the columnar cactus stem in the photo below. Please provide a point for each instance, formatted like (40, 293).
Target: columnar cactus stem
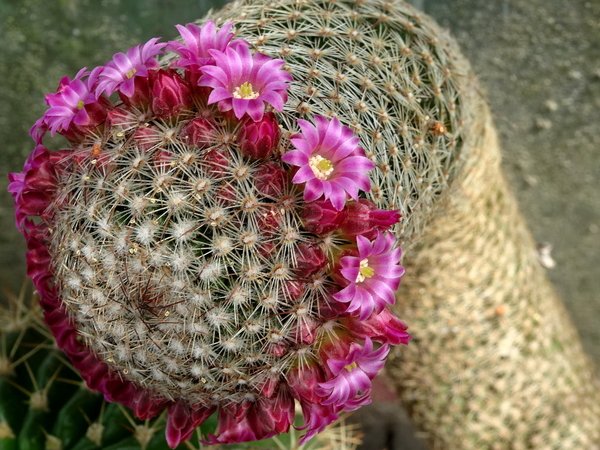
(496, 362)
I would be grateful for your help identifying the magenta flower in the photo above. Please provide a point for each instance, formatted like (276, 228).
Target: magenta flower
(68, 104)
(198, 41)
(332, 164)
(317, 417)
(245, 82)
(351, 383)
(120, 73)
(373, 275)
(304, 384)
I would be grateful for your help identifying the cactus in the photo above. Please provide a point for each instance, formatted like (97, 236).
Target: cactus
(386, 71)
(47, 406)
(202, 246)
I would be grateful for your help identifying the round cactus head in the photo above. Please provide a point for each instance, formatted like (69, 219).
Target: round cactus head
(218, 237)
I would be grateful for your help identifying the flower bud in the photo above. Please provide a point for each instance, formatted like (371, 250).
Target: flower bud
(365, 219)
(199, 132)
(331, 309)
(293, 289)
(259, 139)
(97, 111)
(217, 162)
(121, 119)
(147, 137)
(163, 160)
(320, 217)
(141, 93)
(310, 259)
(270, 179)
(170, 94)
(199, 93)
(306, 330)
(269, 221)
(303, 381)
(269, 386)
(226, 195)
(383, 327)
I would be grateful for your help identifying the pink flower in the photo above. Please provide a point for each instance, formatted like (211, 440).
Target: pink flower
(259, 139)
(351, 383)
(304, 383)
(245, 82)
(120, 73)
(332, 164)
(316, 418)
(373, 275)
(365, 219)
(198, 41)
(73, 103)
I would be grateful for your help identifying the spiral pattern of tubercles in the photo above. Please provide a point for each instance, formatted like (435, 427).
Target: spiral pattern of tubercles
(188, 267)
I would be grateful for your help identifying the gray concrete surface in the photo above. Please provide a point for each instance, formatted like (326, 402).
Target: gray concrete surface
(538, 62)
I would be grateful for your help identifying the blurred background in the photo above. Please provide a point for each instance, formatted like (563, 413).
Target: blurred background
(538, 62)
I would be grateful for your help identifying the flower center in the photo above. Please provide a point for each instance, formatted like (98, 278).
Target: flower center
(350, 367)
(245, 91)
(80, 104)
(364, 271)
(131, 72)
(320, 166)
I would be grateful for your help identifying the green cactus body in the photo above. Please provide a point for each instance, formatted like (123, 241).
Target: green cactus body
(79, 419)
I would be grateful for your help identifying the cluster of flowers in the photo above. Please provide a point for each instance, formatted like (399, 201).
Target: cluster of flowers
(327, 163)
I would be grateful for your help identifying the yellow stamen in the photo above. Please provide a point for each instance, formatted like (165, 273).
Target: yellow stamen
(320, 166)
(325, 165)
(131, 72)
(245, 91)
(364, 271)
(351, 367)
(80, 104)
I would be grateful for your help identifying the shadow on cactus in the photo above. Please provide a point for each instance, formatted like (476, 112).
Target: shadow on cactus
(201, 249)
